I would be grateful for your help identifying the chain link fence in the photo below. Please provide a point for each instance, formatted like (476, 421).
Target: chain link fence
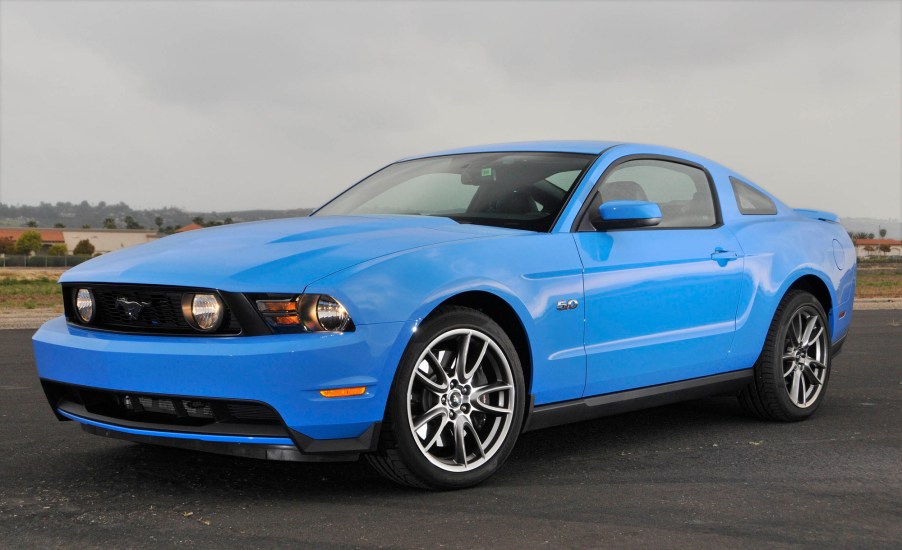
(9, 260)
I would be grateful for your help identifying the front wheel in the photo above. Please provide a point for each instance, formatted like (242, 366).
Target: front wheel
(792, 373)
(456, 404)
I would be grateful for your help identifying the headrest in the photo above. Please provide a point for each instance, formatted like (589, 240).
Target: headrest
(622, 191)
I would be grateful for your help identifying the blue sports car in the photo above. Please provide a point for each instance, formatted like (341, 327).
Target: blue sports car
(432, 312)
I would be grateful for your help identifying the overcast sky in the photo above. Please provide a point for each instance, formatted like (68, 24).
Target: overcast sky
(237, 105)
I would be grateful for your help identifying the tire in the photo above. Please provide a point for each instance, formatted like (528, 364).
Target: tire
(447, 427)
(791, 375)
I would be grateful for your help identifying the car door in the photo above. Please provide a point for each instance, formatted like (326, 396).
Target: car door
(660, 301)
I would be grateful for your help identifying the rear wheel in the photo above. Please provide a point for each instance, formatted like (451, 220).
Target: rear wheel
(456, 405)
(792, 373)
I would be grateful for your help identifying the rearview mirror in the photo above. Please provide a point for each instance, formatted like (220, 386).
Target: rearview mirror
(626, 215)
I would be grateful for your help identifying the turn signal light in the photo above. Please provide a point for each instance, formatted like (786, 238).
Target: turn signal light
(307, 312)
(343, 392)
(280, 312)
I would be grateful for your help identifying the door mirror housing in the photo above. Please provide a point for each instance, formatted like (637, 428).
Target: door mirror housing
(626, 215)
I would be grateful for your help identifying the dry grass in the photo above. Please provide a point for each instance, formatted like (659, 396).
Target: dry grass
(29, 273)
(30, 289)
(879, 280)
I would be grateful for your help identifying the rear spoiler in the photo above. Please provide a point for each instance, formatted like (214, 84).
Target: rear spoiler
(818, 215)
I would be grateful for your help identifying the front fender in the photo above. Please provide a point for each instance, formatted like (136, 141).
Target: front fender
(532, 272)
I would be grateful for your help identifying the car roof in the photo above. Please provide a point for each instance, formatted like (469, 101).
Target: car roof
(587, 147)
(556, 146)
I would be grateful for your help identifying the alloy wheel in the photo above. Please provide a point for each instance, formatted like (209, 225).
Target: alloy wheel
(460, 400)
(804, 357)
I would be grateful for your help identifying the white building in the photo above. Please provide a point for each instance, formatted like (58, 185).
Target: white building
(878, 248)
(104, 240)
(107, 240)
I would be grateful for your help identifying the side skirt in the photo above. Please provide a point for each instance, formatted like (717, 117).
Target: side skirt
(555, 414)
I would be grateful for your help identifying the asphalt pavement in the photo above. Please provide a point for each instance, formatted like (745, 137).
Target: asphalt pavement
(699, 474)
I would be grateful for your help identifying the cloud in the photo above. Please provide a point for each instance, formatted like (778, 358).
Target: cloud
(229, 105)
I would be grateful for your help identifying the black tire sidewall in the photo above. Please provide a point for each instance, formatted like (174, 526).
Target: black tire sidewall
(397, 410)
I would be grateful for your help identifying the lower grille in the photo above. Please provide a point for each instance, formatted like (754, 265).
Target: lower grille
(250, 411)
(187, 407)
(172, 412)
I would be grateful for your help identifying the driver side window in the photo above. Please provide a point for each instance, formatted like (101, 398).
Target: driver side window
(682, 192)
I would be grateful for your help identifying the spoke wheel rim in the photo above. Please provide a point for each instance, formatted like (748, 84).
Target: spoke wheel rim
(460, 400)
(805, 357)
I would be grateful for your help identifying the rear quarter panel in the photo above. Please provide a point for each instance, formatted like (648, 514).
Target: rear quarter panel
(779, 250)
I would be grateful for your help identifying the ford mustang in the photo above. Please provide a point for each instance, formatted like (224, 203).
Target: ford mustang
(431, 313)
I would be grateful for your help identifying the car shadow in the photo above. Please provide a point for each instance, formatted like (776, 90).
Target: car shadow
(150, 469)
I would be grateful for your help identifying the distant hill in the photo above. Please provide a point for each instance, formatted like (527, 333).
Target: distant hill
(82, 214)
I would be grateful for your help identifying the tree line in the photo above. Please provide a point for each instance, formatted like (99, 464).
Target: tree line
(85, 215)
(30, 242)
(858, 235)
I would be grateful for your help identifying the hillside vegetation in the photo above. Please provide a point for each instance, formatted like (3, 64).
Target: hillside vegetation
(123, 216)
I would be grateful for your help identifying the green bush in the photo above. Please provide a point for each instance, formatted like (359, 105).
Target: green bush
(29, 243)
(57, 250)
(83, 248)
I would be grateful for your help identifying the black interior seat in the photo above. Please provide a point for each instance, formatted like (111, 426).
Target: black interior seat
(516, 202)
(622, 191)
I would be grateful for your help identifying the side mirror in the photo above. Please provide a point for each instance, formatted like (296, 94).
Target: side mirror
(626, 215)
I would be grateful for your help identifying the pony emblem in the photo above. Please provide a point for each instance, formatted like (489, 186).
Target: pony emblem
(132, 309)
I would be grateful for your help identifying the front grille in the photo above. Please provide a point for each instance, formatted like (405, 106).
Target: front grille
(161, 312)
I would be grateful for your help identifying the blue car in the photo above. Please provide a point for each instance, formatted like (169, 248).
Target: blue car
(431, 313)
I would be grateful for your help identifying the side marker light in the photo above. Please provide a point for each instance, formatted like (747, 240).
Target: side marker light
(343, 392)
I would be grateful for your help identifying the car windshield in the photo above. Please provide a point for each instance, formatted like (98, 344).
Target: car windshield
(514, 190)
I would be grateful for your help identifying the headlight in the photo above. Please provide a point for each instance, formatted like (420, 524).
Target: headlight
(84, 305)
(203, 312)
(331, 315)
(308, 312)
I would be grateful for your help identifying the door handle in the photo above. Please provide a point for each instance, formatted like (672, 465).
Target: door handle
(721, 255)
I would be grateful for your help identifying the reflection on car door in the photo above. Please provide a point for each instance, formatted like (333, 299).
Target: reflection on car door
(660, 302)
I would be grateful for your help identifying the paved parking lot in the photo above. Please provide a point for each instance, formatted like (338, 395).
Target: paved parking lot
(695, 474)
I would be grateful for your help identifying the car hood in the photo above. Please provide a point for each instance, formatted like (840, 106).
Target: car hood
(272, 256)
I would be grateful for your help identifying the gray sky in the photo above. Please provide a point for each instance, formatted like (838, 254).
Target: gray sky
(233, 105)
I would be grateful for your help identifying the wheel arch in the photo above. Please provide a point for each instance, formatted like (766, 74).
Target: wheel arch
(503, 313)
(815, 286)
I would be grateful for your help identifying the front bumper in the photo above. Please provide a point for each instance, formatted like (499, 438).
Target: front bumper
(284, 372)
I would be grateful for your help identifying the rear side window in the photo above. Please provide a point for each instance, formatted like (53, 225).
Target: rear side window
(750, 200)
